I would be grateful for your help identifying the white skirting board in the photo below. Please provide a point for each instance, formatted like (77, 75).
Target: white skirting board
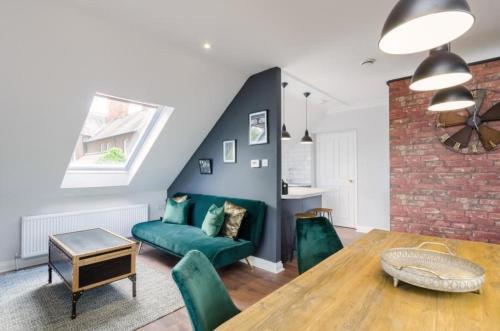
(22, 263)
(364, 229)
(274, 267)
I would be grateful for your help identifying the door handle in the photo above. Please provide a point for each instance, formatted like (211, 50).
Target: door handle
(351, 181)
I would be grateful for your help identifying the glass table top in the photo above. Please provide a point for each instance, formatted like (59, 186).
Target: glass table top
(87, 241)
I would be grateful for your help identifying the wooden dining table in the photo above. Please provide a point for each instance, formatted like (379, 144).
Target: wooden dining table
(350, 291)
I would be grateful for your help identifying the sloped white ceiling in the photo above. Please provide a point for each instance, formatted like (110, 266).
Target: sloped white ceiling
(54, 58)
(321, 42)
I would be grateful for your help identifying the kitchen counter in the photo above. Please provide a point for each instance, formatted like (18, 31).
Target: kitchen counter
(303, 192)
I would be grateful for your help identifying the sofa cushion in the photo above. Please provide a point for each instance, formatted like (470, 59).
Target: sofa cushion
(181, 198)
(213, 221)
(233, 216)
(180, 239)
(176, 212)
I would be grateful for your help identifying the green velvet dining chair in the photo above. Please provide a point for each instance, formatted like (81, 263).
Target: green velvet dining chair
(204, 294)
(316, 240)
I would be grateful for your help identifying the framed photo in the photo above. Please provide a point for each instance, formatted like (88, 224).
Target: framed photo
(257, 132)
(205, 166)
(229, 151)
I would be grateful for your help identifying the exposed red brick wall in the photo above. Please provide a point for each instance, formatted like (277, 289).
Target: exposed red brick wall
(435, 191)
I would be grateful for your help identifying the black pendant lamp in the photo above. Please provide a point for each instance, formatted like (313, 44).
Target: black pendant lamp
(419, 25)
(453, 98)
(307, 138)
(442, 69)
(285, 135)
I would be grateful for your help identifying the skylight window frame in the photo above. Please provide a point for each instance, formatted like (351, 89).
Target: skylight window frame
(90, 176)
(115, 168)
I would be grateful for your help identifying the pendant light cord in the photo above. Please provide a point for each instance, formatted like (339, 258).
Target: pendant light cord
(307, 94)
(283, 105)
(306, 114)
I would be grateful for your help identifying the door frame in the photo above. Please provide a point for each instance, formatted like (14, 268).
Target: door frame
(355, 195)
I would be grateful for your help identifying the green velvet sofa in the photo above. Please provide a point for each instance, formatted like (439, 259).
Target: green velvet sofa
(178, 240)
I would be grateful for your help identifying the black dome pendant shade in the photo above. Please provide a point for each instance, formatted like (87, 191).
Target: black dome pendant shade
(441, 69)
(285, 135)
(307, 138)
(419, 25)
(453, 98)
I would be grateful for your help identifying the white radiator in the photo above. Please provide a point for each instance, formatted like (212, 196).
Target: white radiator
(35, 230)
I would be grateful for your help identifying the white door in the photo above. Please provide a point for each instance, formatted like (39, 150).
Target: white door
(336, 170)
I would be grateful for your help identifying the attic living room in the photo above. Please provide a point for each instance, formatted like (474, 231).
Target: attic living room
(237, 165)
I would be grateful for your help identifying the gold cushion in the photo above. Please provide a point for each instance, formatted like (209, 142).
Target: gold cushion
(180, 199)
(233, 216)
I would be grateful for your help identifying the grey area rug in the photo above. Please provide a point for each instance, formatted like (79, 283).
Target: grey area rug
(27, 302)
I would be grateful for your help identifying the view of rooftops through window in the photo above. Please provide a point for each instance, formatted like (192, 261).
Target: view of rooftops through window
(113, 130)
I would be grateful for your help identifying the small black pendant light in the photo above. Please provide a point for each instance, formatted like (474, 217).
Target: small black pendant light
(419, 25)
(453, 98)
(442, 69)
(285, 135)
(307, 138)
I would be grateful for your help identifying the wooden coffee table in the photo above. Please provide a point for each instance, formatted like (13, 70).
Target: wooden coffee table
(91, 258)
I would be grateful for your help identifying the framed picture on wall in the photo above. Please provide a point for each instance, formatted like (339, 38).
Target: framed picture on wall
(229, 151)
(257, 132)
(205, 166)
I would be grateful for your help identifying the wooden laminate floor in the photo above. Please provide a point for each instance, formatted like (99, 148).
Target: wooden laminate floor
(246, 286)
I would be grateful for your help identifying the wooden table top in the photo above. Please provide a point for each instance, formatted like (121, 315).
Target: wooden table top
(350, 291)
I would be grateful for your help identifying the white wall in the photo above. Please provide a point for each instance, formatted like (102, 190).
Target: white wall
(54, 58)
(297, 159)
(296, 167)
(372, 126)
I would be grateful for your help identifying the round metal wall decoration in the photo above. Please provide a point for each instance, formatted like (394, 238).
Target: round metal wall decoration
(419, 25)
(474, 130)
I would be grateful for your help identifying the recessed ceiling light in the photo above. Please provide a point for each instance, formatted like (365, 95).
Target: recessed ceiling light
(368, 62)
(207, 46)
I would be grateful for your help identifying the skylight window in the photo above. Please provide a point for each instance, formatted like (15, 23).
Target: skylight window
(114, 140)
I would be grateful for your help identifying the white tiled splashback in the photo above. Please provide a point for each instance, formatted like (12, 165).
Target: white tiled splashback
(296, 163)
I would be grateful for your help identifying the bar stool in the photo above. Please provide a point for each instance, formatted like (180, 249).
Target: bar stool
(324, 212)
(306, 215)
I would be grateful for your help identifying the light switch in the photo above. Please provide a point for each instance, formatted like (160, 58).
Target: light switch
(265, 163)
(255, 163)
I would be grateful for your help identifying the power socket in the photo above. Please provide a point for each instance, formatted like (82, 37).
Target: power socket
(255, 163)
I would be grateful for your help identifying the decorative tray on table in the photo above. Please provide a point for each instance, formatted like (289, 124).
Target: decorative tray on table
(432, 269)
